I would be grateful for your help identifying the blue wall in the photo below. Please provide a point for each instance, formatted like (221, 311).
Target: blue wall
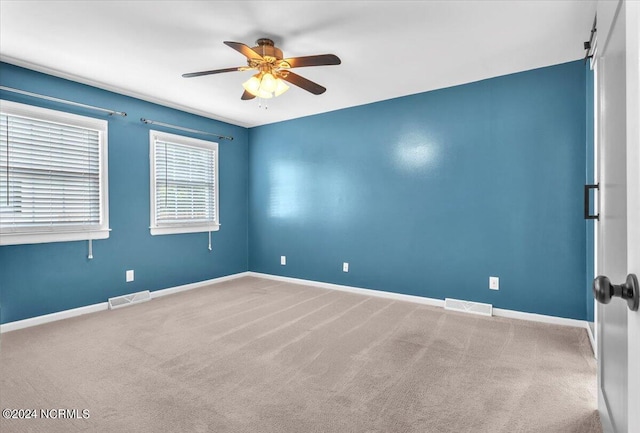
(427, 195)
(430, 194)
(45, 278)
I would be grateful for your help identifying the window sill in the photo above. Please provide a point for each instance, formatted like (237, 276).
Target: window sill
(183, 229)
(8, 238)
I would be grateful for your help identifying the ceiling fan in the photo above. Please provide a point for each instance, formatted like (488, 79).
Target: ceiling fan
(273, 70)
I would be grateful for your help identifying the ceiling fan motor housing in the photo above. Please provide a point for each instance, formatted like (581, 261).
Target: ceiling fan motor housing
(266, 48)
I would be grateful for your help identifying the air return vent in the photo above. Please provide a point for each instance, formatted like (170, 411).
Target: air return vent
(133, 298)
(468, 307)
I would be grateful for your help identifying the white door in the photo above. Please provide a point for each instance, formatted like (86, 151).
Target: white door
(618, 329)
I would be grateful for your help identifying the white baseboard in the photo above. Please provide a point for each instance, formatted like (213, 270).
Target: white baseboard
(191, 286)
(358, 290)
(592, 339)
(53, 317)
(39, 320)
(74, 312)
(533, 317)
(511, 314)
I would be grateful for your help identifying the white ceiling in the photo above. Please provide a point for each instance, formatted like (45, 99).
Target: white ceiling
(388, 48)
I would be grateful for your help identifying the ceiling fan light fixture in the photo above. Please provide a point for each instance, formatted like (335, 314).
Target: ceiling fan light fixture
(268, 83)
(264, 94)
(265, 85)
(252, 85)
(281, 87)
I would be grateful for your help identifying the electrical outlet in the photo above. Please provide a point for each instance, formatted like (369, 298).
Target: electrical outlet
(283, 260)
(129, 275)
(345, 267)
(494, 283)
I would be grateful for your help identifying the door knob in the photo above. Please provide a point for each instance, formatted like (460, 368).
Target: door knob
(603, 291)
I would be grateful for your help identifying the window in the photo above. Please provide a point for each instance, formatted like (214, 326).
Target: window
(184, 184)
(53, 176)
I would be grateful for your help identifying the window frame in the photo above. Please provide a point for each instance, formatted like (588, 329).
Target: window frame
(53, 233)
(178, 228)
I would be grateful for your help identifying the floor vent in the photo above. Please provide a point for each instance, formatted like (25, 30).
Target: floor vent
(124, 300)
(468, 307)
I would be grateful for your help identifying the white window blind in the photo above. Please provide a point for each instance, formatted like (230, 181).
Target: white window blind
(184, 184)
(51, 176)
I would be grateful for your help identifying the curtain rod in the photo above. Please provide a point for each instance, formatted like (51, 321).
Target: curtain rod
(167, 125)
(64, 101)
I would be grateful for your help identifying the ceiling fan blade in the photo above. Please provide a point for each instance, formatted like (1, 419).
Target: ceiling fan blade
(215, 71)
(244, 50)
(246, 96)
(303, 83)
(319, 60)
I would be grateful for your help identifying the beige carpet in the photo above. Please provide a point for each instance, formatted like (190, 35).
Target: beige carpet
(254, 355)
